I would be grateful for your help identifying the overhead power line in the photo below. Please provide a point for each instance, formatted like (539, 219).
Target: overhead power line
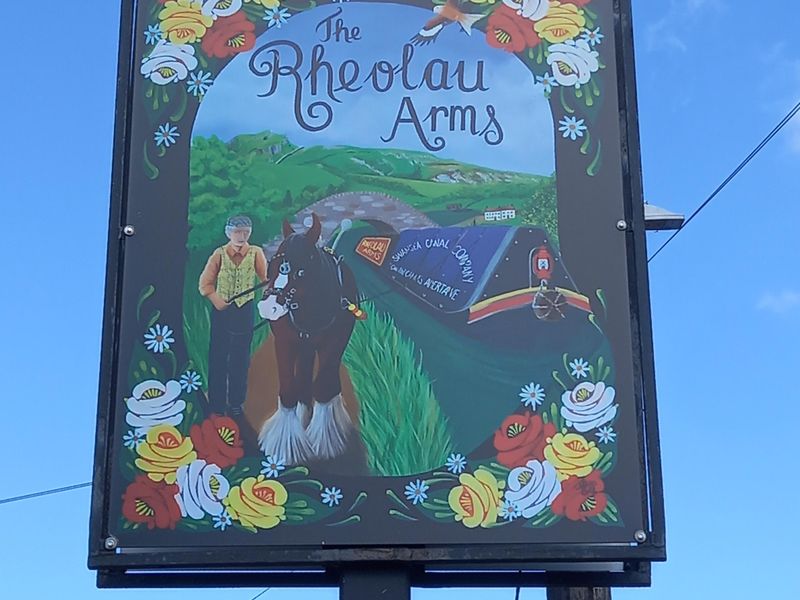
(45, 493)
(261, 593)
(733, 174)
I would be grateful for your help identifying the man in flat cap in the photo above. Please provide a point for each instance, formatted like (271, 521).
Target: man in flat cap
(231, 269)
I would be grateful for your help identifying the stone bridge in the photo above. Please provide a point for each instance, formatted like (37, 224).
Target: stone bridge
(355, 206)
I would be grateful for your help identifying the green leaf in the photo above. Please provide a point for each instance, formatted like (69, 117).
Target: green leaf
(153, 319)
(546, 518)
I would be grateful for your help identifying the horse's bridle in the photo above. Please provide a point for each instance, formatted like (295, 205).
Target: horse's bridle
(286, 298)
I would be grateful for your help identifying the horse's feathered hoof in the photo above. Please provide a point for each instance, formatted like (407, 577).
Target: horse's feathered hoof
(330, 428)
(304, 414)
(283, 437)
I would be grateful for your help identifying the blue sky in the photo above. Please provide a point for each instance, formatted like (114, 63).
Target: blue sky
(714, 77)
(235, 106)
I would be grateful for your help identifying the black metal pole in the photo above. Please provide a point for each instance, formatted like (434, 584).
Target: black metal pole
(584, 593)
(379, 583)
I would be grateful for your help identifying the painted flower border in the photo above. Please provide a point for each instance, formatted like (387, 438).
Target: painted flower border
(187, 470)
(558, 41)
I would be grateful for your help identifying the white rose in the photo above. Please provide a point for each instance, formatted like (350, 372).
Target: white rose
(588, 406)
(154, 403)
(169, 62)
(221, 8)
(533, 488)
(530, 9)
(202, 488)
(573, 62)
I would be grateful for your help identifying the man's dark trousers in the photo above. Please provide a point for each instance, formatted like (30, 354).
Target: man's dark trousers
(229, 358)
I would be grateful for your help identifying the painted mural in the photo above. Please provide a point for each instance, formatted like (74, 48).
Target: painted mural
(370, 317)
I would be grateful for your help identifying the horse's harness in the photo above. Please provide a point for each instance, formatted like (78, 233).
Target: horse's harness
(287, 297)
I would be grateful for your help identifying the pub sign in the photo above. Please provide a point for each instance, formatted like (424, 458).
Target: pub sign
(375, 281)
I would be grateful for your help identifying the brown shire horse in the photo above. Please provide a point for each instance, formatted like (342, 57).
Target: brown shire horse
(309, 303)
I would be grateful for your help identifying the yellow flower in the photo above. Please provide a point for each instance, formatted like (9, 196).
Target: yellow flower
(476, 500)
(266, 3)
(163, 451)
(571, 454)
(183, 21)
(257, 503)
(562, 22)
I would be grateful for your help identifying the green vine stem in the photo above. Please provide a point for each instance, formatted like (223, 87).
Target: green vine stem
(181, 108)
(567, 370)
(173, 362)
(593, 320)
(399, 515)
(151, 170)
(594, 166)
(302, 470)
(347, 521)
(358, 501)
(595, 89)
(558, 380)
(146, 293)
(396, 498)
(564, 105)
(586, 142)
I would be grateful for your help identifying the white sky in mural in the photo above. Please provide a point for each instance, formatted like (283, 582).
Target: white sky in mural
(233, 106)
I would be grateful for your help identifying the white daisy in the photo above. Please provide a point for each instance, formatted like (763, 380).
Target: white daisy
(532, 395)
(509, 511)
(190, 381)
(199, 83)
(572, 128)
(415, 491)
(606, 434)
(331, 496)
(158, 338)
(275, 17)
(133, 438)
(273, 466)
(548, 81)
(153, 34)
(456, 463)
(222, 520)
(580, 368)
(593, 37)
(166, 135)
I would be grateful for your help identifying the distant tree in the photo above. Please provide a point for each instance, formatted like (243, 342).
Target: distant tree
(541, 208)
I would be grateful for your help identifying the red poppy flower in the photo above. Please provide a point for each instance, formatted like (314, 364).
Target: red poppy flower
(217, 441)
(146, 501)
(581, 497)
(229, 36)
(522, 438)
(510, 31)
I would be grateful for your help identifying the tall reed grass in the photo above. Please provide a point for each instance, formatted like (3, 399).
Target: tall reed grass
(402, 426)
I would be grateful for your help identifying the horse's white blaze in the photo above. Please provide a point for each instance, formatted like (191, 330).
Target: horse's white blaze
(281, 281)
(270, 308)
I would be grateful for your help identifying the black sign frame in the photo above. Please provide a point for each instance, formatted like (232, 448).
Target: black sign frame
(434, 566)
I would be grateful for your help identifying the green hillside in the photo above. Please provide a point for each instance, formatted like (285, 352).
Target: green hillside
(267, 177)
